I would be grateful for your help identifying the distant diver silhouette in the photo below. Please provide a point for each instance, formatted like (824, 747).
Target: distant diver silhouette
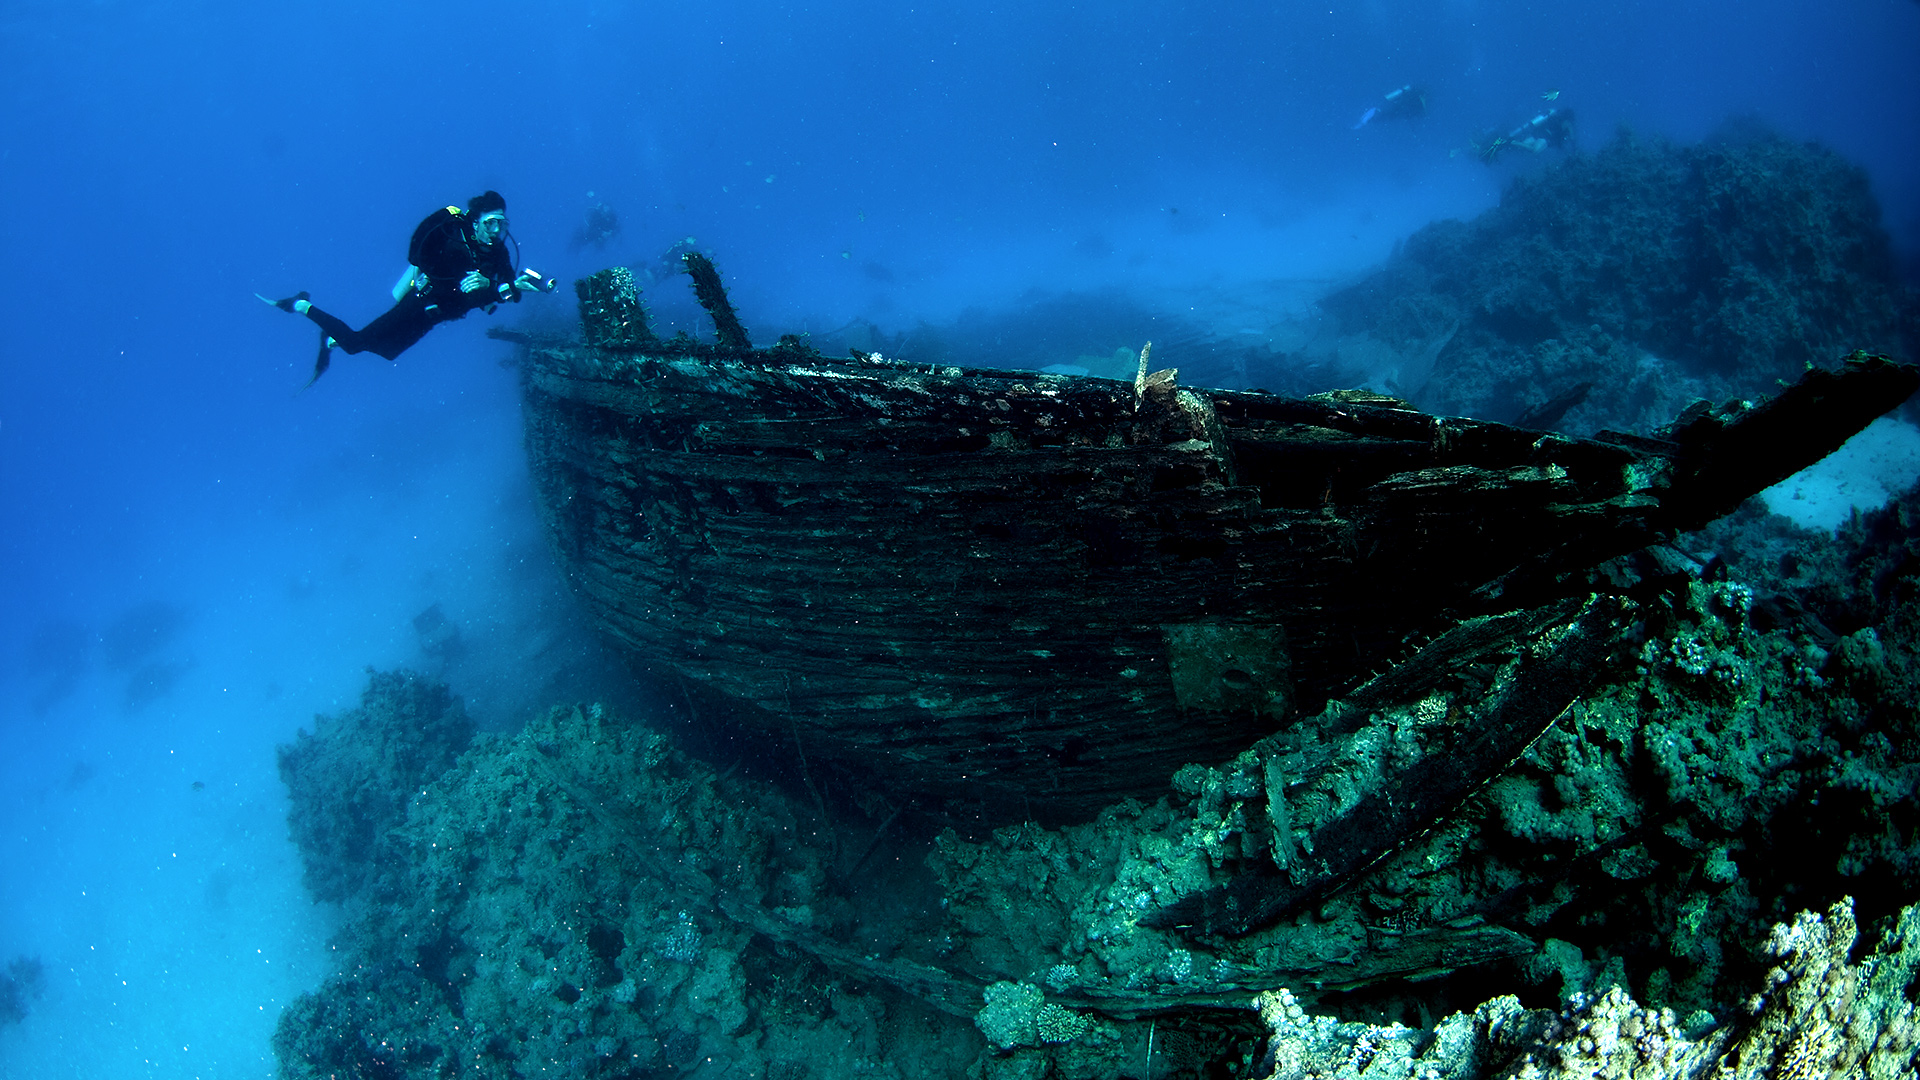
(1550, 129)
(1407, 103)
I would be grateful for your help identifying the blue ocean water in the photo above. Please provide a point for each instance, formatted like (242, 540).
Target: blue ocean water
(198, 557)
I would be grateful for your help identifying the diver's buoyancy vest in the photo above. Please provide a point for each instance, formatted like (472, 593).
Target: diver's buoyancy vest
(447, 217)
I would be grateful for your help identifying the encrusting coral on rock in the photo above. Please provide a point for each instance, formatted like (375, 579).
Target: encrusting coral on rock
(349, 780)
(583, 898)
(1819, 1016)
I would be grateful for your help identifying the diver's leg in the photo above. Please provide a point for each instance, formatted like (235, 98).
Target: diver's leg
(389, 335)
(395, 332)
(345, 337)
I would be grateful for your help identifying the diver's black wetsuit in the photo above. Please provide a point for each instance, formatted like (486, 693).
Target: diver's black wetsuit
(447, 254)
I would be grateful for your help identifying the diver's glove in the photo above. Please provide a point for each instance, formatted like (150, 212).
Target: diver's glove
(474, 281)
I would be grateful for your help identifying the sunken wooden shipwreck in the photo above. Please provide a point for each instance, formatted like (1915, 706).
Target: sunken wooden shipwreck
(1043, 592)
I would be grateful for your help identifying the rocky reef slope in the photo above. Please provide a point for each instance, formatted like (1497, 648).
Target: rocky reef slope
(1649, 273)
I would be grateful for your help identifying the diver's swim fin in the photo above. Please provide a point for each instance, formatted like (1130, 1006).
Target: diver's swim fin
(325, 358)
(284, 305)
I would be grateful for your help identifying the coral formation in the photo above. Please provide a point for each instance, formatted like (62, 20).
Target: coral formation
(584, 899)
(350, 779)
(1655, 273)
(1819, 1016)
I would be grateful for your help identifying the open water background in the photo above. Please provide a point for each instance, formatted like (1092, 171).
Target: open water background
(195, 558)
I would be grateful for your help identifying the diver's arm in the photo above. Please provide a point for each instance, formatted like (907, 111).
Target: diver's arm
(506, 282)
(405, 284)
(477, 283)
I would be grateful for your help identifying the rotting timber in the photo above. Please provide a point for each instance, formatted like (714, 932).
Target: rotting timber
(1045, 592)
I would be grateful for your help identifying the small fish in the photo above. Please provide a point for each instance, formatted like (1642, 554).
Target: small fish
(1550, 95)
(1368, 115)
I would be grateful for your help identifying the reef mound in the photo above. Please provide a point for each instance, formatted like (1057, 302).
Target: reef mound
(349, 779)
(1639, 278)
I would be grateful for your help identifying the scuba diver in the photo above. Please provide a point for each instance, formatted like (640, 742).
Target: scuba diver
(1406, 103)
(1550, 129)
(455, 263)
(600, 225)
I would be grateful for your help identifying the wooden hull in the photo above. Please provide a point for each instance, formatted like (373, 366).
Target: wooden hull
(1038, 591)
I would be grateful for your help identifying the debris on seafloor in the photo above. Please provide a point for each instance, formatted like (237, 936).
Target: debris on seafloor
(1529, 668)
